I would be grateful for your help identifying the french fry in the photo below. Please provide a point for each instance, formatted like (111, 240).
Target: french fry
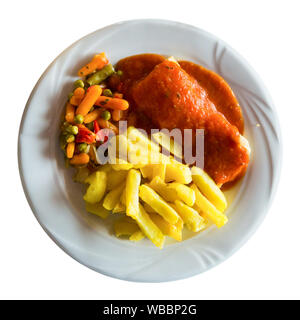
(183, 192)
(172, 230)
(97, 209)
(148, 208)
(137, 236)
(148, 227)
(208, 210)
(168, 194)
(149, 196)
(167, 143)
(135, 136)
(208, 187)
(81, 174)
(178, 172)
(119, 208)
(122, 165)
(133, 182)
(123, 227)
(173, 191)
(105, 168)
(112, 198)
(115, 178)
(123, 198)
(160, 170)
(147, 171)
(190, 217)
(97, 187)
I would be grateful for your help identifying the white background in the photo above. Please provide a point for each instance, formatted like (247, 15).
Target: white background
(265, 32)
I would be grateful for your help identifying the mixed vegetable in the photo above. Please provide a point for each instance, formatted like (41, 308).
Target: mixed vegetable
(91, 106)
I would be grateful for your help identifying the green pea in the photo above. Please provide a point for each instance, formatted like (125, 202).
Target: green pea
(105, 115)
(107, 93)
(78, 84)
(78, 119)
(70, 138)
(74, 130)
(119, 73)
(82, 147)
(70, 95)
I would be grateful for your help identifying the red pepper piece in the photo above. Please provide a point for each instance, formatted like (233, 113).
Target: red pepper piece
(85, 135)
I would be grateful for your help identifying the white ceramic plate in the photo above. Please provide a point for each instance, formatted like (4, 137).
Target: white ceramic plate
(57, 202)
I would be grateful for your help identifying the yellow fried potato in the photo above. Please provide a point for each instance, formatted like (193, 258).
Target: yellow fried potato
(97, 209)
(97, 187)
(123, 227)
(208, 187)
(121, 164)
(159, 170)
(113, 197)
(136, 137)
(123, 197)
(190, 217)
(172, 230)
(168, 143)
(133, 182)
(178, 172)
(168, 194)
(208, 210)
(149, 196)
(147, 171)
(137, 236)
(148, 208)
(148, 227)
(183, 192)
(105, 168)
(81, 175)
(119, 208)
(173, 191)
(115, 178)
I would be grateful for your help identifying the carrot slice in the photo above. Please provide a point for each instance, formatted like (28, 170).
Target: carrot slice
(108, 125)
(79, 159)
(91, 96)
(77, 97)
(117, 115)
(90, 117)
(98, 62)
(70, 150)
(112, 103)
(70, 113)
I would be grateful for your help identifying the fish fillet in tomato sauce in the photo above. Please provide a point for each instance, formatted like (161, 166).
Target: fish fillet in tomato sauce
(171, 98)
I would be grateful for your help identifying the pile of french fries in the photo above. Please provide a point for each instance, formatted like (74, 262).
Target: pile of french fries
(155, 199)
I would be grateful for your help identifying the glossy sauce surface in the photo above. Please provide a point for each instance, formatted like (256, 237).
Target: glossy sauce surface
(165, 95)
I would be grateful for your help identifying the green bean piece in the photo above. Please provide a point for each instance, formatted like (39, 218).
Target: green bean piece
(79, 119)
(100, 75)
(90, 126)
(70, 138)
(82, 147)
(105, 115)
(62, 142)
(78, 84)
(107, 93)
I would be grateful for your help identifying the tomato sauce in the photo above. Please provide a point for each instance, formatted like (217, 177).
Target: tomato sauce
(163, 95)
